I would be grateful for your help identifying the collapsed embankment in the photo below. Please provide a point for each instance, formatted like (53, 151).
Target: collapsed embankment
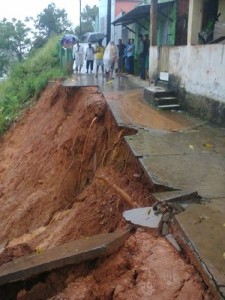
(63, 167)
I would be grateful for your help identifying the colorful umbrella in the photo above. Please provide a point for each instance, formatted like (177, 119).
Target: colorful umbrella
(69, 40)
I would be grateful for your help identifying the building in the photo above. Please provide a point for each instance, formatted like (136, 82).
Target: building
(114, 9)
(187, 43)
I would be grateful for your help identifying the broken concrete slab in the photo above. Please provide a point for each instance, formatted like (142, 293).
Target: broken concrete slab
(79, 80)
(188, 172)
(181, 161)
(203, 227)
(177, 196)
(144, 217)
(170, 238)
(71, 253)
(165, 229)
(153, 142)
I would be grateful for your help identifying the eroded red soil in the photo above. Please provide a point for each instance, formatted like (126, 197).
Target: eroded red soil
(51, 192)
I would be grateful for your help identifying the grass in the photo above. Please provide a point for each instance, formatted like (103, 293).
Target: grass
(27, 80)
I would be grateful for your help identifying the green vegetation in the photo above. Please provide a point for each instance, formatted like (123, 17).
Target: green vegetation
(88, 17)
(27, 79)
(30, 57)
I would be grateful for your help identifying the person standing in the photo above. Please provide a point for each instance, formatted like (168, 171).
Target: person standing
(78, 56)
(130, 50)
(99, 52)
(144, 48)
(89, 58)
(121, 52)
(147, 45)
(110, 59)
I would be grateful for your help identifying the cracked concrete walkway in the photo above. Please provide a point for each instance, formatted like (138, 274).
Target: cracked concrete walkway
(178, 152)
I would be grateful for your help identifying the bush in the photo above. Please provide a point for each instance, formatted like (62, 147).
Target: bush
(27, 80)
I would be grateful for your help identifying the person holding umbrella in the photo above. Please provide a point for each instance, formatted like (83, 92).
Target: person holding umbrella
(78, 56)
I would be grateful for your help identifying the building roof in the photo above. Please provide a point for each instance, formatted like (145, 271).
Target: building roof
(139, 12)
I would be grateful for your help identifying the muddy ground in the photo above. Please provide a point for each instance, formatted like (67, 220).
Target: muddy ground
(51, 167)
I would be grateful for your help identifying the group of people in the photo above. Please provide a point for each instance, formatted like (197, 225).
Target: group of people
(127, 53)
(114, 57)
(105, 58)
(78, 57)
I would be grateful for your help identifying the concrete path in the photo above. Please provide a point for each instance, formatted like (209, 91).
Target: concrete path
(178, 152)
(71, 253)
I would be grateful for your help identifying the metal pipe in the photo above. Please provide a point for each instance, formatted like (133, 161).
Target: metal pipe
(80, 18)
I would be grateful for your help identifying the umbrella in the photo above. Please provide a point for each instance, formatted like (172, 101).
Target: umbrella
(93, 37)
(69, 40)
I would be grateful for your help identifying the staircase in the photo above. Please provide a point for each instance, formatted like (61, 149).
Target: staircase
(166, 100)
(161, 97)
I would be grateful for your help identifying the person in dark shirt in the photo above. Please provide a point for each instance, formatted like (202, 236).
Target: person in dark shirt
(143, 55)
(147, 45)
(121, 51)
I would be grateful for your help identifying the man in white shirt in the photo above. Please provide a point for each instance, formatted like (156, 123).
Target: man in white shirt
(90, 52)
(78, 56)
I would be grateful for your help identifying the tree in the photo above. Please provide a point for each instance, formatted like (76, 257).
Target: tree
(52, 21)
(14, 42)
(88, 17)
(17, 39)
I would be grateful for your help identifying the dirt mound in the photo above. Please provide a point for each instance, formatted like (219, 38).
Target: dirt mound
(52, 191)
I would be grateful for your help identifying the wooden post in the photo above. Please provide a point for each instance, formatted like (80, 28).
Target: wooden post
(108, 36)
(153, 22)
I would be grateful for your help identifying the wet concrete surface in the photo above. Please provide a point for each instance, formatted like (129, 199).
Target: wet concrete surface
(179, 152)
(204, 226)
(189, 163)
(71, 253)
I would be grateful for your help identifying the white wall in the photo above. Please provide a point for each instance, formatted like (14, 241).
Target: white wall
(221, 9)
(201, 68)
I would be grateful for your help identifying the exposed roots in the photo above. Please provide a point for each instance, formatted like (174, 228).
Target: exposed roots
(126, 198)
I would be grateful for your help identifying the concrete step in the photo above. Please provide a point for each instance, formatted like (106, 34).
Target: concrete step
(169, 106)
(163, 84)
(165, 93)
(166, 100)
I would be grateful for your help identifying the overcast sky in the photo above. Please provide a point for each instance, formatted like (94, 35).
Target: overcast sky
(20, 9)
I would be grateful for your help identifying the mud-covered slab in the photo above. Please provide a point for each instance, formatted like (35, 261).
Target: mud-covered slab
(204, 228)
(144, 217)
(67, 254)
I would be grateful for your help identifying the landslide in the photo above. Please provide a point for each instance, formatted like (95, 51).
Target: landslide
(49, 166)
(57, 167)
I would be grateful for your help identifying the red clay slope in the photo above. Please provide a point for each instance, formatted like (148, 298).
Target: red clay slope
(51, 192)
